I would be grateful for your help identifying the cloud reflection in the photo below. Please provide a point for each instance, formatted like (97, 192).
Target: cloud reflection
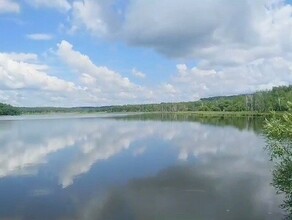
(19, 158)
(194, 170)
(102, 140)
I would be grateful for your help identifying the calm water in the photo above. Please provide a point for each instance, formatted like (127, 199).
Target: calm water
(102, 168)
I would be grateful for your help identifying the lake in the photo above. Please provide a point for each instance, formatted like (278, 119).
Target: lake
(144, 168)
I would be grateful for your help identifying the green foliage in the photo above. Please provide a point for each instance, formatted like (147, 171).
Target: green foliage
(8, 110)
(278, 130)
(279, 133)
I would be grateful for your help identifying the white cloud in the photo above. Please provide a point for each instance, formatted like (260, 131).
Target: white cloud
(179, 28)
(62, 5)
(102, 83)
(16, 73)
(87, 13)
(239, 46)
(25, 81)
(25, 57)
(260, 74)
(138, 74)
(219, 31)
(39, 36)
(169, 90)
(231, 42)
(94, 16)
(9, 6)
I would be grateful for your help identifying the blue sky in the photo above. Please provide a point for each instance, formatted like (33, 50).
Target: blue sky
(105, 52)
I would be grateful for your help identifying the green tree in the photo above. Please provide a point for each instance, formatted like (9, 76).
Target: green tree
(279, 143)
(8, 110)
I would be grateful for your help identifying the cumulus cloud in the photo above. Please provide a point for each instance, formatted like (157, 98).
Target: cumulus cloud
(62, 5)
(27, 81)
(9, 6)
(39, 36)
(16, 73)
(215, 33)
(25, 57)
(181, 28)
(138, 74)
(95, 16)
(238, 47)
(219, 35)
(99, 81)
(260, 74)
(168, 92)
(220, 32)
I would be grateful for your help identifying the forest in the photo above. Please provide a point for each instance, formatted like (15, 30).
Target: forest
(9, 110)
(261, 102)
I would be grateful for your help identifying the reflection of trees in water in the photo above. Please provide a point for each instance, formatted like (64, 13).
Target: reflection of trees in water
(241, 122)
(279, 144)
(282, 180)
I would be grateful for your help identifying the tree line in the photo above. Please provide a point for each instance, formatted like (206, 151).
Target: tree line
(9, 110)
(261, 101)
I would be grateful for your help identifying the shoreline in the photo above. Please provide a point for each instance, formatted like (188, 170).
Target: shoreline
(199, 113)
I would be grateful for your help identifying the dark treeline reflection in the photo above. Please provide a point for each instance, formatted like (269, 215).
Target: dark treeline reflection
(254, 123)
(282, 180)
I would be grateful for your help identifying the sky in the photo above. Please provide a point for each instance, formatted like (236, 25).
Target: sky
(110, 52)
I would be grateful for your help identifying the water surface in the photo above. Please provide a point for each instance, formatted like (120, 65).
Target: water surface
(108, 168)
